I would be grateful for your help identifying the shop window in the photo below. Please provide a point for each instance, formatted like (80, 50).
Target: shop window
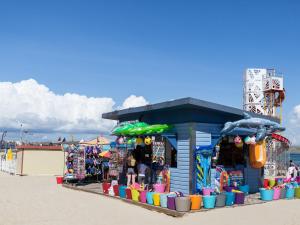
(170, 154)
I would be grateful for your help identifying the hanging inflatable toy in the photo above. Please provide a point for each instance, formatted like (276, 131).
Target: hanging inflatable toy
(139, 141)
(238, 142)
(247, 140)
(258, 155)
(148, 140)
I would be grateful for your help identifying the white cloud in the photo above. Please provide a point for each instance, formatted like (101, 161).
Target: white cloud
(293, 130)
(37, 108)
(134, 101)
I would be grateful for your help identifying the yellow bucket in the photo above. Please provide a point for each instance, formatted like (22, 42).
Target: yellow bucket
(156, 199)
(135, 195)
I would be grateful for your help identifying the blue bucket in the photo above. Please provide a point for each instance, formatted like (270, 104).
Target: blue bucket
(245, 189)
(122, 191)
(163, 200)
(290, 193)
(266, 195)
(149, 197)
(230, 198)
(209, 201)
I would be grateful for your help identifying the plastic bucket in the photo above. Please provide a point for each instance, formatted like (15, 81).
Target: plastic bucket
(116, 190)
(183, 204)
(171, 202)
(156, 199)
(59, 180)
(135, 195)
(276, 195)
(207, 191)
(196, 201)
(245, 189)
(164, 200)
(282, 193)
(122, 191)
(149, 197)
(290, 192)
(105, 187)
(230, 198)
(297, 192)
(159, 188)
(266, 195)
(209, 201)
(128, 193)
(239, 198)
(221, 200)
(143, 197)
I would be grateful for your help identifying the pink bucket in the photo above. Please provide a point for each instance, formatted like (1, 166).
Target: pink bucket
(143, 198)
(276, 195)
(159, 188)
(207, 191)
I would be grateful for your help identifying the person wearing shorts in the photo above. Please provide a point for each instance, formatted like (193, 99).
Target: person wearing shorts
(131, 162)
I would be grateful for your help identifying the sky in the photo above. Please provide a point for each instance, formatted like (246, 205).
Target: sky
(64, 62)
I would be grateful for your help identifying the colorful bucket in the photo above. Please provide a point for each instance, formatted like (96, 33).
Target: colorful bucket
(128, 193)
(297, 192)
(116, 190)
(164, 200)
(59, 180)
(149, 197)
(276, 195)
(290, 193)
(196, 201)
(143, 198)
(105, 187)
(209, 201)
(266, 195)
(122, 191)
(159, 188)
(171, 202)
(135, 195)
(230, 198)
(245, 189)
(156, 199)
(239, 198)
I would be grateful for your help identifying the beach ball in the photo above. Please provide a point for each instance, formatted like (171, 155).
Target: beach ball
(238, 140)
(247, 140)
(148, 140)
(139, 141)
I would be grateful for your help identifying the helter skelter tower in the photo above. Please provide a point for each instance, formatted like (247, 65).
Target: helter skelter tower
(264, 94)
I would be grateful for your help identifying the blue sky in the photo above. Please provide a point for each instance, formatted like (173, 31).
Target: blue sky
(161, 50)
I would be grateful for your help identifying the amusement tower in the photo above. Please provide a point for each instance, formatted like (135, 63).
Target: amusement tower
(264, 94)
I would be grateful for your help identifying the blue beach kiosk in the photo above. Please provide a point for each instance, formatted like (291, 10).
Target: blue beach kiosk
(196, 128)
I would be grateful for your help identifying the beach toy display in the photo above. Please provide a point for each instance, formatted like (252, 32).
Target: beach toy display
(221, 200)
(164, 200)
(209, 201)
(156, 199)
(230, 198)
(122, 191)
(276, 195)
(196, 201)
(266, 194)
(149, 197)
(143, 196)
(171, 202)
(183, 204)
(282, 193)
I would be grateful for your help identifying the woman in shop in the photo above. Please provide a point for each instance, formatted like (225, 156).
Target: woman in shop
(131, 175)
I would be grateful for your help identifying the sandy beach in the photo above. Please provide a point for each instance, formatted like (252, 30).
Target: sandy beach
(39, 201)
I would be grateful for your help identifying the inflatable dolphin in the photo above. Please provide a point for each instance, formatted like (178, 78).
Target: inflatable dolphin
(264, 127)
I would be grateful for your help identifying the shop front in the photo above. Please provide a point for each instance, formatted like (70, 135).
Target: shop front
(189, 151)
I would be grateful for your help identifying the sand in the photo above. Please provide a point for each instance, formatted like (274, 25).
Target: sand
(39, 201)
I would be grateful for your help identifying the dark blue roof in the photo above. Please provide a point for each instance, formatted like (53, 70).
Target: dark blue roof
(182, 111)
